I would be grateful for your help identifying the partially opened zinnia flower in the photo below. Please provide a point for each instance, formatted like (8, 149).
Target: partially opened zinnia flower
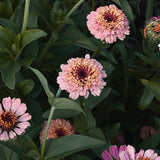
(13, 118)
(152, 30)
(80, 76)
(108, 23)
(57, 128)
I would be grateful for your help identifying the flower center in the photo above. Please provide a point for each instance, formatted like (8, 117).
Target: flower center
(142, 158)
(60, 132)
(81, 73)
(7, 120)
(109, 17)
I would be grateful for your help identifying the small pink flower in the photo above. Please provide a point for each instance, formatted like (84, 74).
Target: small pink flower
(57, 128)
(80, 76)
(108, 23)
(13, 118)
(147, 131)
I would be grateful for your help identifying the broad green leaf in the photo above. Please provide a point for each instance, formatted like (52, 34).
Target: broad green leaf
(146, 99)
(31, 35)
(127, 9)
(8, 24)
(64, 108)
(154, 87)
(33, 154)
(78, 157)
(14, 146)
(61, 147)
(108, 67)
(43, 81)
(2, 153)
(8, 71)
(149, 9)
(92, 101)
(25, 86)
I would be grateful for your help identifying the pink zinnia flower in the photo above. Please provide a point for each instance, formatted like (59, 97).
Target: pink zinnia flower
(147, 131)
(80, 76)
(13, 118)
(128, 153)
(113, 151)
(108, 23)
(57, 128)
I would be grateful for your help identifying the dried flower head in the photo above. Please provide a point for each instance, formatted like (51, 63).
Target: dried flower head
(81, 75)
(147, 131)
(57, 128)
(152, 30)
(108, 23)
(13, 118)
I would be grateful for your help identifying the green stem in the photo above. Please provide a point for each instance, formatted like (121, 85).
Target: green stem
(81, 101)
(97, 50)
(46, 132)
(93, 5)
(10, 156)
(47, 126)
(45, 49)
(26, 13)
(73, 9)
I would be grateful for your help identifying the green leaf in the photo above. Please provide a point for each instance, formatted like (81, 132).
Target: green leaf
(146, 99)
(108, 67)
(127, 10)
(25, 86)
(65, 108)
(154, 87)
(8, 71)
(78, 157)
(33, 154)
(92, 101)
(43, 81)
(61, 147)
(157, 123)
(8, 24)
(151, 142)
(31, 35)
(2, 154)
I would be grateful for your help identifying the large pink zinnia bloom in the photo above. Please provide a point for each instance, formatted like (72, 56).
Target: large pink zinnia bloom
(128, 153)
(108, 23)
(13, 118)
(57, 128)
(80, 76)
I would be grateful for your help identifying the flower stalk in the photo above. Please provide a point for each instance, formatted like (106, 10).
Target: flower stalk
(26, 13)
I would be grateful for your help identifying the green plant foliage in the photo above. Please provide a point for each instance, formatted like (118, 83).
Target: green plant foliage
(67, 145)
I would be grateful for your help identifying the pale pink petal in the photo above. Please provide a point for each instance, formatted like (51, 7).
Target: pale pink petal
(7, 103)
(148, 153)
(106, 155)
(12, 134)
(124, 155)
(154, 156)
(19, 131)
(21, 109)
(158, 158)
(4, 136)
(139, 154)
(24, 117)
(15, 104)
(23, 125)
(114, 151)
(131, 151)
(0, 108)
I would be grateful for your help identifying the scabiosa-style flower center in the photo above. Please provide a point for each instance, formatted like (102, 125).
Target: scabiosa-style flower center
(60, 132)
(7, 120)
(109, 17)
